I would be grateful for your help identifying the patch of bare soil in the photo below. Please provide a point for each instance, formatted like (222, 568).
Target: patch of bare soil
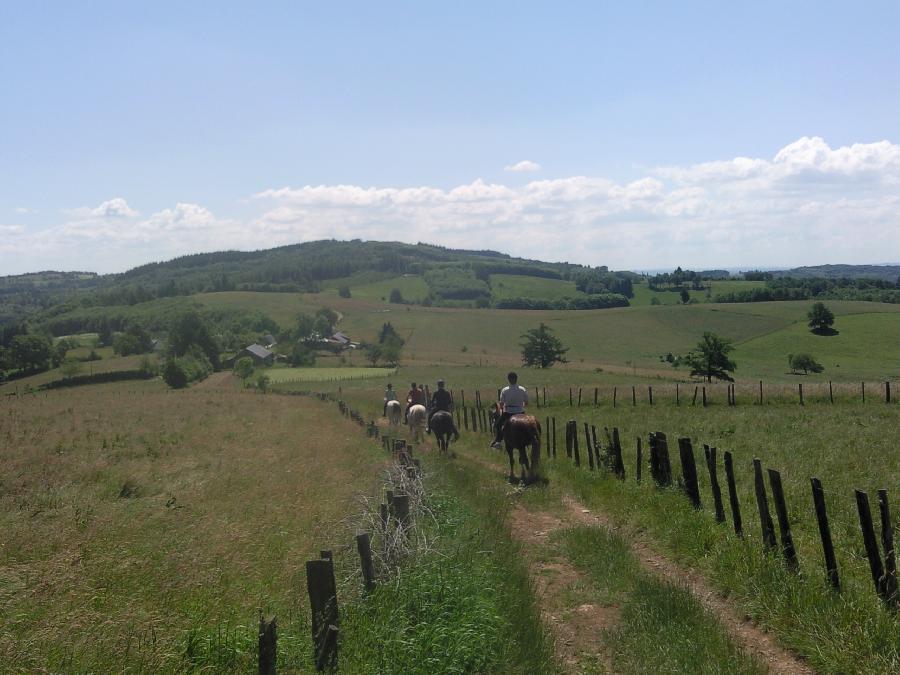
(575, 629)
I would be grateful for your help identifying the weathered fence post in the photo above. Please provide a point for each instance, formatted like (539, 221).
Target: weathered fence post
(762, 503)
(650, 394)
(784, 525)
(569, 438)
(891, 594)
(596, 394)
(871, 545)
(465, 416)
(267, 646)
(694, 400)
(618, 463)
(575, 449)
(830, 392)
(887, 391)
(615, 391)
(831, 568)
(365, 559)
(579, 397)
(545, 397)
(401, 508)
(323, 602)
(689, 471)
(863, 388)
(710, 454)
(732, 495)
(800, 389)
(704, 396)
(640, 458)
(589, 446)
(633, 396)
(548, 437)
(677, 397)
(570, 396)
(760, 393)
(660, 467)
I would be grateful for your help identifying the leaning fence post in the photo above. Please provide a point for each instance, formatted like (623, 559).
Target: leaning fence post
(784, 525)
(732, 495)
(618, 463)
(323, 602)
(588, 446)
(831, 568)
(710, 454)
(868, 533)
(689, 471)
(890, 556)
(267, 649)
(365, 560)
(762, 503)
(633, 396)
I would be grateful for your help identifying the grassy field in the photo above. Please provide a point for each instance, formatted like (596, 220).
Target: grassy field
(108, 364)
(277, 375)
(622, 340)
(536, 288)
(643, 295)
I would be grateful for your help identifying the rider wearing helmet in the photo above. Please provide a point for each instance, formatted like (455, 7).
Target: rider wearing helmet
(513, 400)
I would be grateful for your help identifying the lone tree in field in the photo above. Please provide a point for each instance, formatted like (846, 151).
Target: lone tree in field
(685, 296)
(820, 318)
(710, 358)
(804, 362)
(541, 348)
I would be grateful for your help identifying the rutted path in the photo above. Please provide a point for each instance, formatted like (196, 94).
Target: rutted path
(576, 629)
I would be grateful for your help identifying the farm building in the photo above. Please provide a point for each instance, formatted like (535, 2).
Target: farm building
(259, 354)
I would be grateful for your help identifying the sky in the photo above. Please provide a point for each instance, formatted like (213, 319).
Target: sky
(630, 134)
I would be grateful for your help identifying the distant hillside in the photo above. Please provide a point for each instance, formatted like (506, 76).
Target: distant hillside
(885, 272)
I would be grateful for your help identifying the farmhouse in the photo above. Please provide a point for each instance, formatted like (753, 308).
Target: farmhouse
(260, 355)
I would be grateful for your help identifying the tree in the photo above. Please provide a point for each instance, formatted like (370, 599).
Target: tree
(262, 382)
(174, 375)
(243, 368)
(710, 358)
(805, 362)
(541, 349)
(344, 291)
(302, 355)
(685, 296)
(70, 367)
(305, 324)
(396, 297)
(189, 330)
(388, 332)
(390, 350)
(820, 318)
(29, 352)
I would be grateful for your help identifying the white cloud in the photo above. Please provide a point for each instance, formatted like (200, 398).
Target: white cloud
(524, 165)
(11, 229)
(22, 210)
(807, 204)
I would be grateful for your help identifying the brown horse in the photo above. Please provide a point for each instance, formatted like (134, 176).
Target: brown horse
(519, 432)
(444, 429)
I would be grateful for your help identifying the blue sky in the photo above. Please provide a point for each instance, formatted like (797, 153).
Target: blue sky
(131, 132)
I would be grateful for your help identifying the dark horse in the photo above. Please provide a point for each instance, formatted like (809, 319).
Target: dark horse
(443, 428)
(519, 432)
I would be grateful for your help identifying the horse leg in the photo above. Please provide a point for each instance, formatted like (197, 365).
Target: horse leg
(512, 473)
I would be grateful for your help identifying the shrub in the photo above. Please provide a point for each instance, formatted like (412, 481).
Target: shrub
(174, 374)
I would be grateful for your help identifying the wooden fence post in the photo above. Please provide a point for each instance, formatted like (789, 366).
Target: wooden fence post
(579, 397)
(569, 439)
(365, 559)
(595, 444)
(615, 391)
(831, 568)
(784, 525)
(401, 508)
(694, 400)
(548, 437)
(660, 467)
(677, 397)
(596, 394)
(800, 389)
(871, 545)
(633, 396)
(887, 391)
(545, 397)
(589, 446)
(268, 640)
(570, 396)
(575, 442)
(640, 458)
(891, 594)
(760, 393)
(618, 466)
(323, 602)
(689, 471)
(733, 500)
(713, 469)
(863, 388)
(650, 394)
(465, 416)
(762, 503)
(704, 396)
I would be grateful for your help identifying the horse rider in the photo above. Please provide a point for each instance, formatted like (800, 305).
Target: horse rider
(513, 400)
(415, 396)
(389, 395)
(440, 400)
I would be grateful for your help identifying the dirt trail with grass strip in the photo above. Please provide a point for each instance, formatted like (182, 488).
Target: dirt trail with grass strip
(576, 631)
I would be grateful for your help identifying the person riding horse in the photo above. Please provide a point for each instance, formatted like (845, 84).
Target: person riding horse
(440, 400)
(513, 400)
(415, 396)
(389, 395)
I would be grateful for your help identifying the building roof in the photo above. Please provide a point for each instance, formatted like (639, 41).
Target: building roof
(341, 337)
(258, 351)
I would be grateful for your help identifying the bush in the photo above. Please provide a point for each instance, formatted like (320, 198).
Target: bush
(192, 367)
(344, 291)
(174, 374)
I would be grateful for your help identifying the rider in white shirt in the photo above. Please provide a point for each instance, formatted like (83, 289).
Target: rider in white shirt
(513, 400)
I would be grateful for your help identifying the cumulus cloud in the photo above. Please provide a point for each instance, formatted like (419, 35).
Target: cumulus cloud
(807, 204)
(524, 165)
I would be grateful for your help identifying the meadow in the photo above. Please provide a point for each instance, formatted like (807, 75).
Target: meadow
(327, 374)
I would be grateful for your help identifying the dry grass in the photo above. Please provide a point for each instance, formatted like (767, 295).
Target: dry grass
(137, 520)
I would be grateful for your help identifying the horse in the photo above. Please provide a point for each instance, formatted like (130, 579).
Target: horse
(519, 432)
(394, 413)
(418, 420)
(443, 427)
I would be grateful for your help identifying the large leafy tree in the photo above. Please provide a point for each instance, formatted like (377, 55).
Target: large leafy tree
(191, 330)
(710, 358)
(820, 318)
(805, 362)
(30, 352)
(541, 348)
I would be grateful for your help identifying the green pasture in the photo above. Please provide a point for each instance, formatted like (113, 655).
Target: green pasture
(277, 375)
(620, 341)
(643, 296)
(535, 288)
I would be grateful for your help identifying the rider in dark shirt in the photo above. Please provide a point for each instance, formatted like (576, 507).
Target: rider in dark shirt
(440, 400)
